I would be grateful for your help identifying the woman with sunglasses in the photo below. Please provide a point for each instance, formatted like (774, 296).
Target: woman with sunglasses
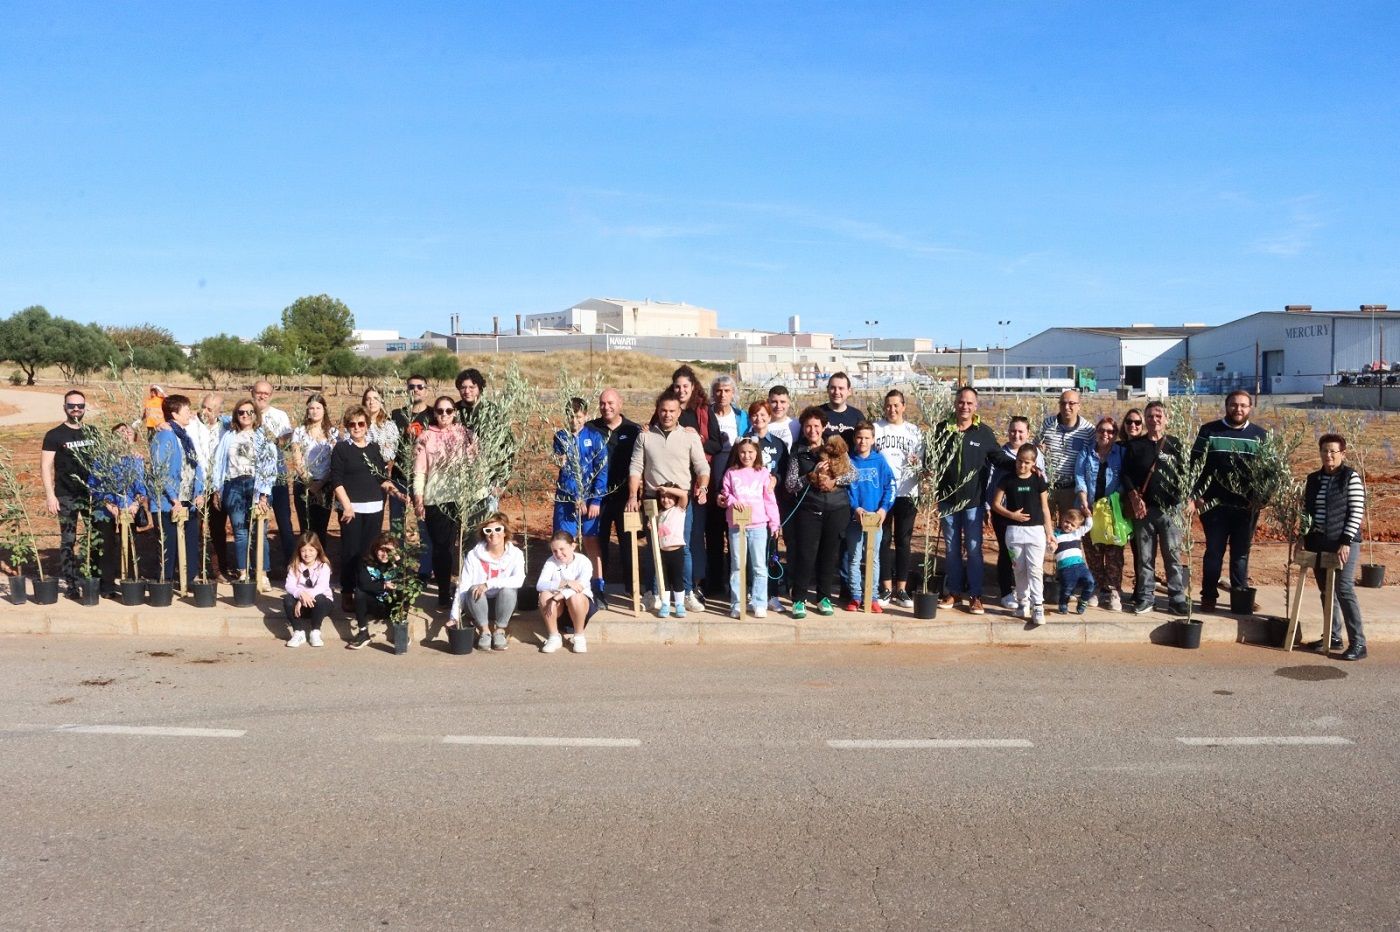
(1132, 425)
(309, 459)
(308, 598)
(489, 584)
(441, 449)
(244, 469)
(359, 478)
(1096, 476)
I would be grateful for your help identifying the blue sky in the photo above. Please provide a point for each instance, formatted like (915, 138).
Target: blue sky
(933, 166)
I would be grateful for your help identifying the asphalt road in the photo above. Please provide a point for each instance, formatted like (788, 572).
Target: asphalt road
(696, 788)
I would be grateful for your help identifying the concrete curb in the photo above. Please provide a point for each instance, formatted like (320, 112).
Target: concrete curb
(700, 628)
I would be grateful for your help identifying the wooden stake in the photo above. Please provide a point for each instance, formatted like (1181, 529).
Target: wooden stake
(869, 524)
(125, 524)
(260, 529)
(632, 526)
(743, 515)
(649, 508)
(180, 516)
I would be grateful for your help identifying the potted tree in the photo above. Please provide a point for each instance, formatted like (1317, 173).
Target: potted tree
(407, 588)
(1184, 472)
(19, 538)
(934, 401)
(160, 592)
(204, 591)
(1371, 574)
(1269, 483)
(245, 589)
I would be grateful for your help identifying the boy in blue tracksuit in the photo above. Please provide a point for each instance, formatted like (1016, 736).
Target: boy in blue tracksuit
(872, 492)
(582, 454)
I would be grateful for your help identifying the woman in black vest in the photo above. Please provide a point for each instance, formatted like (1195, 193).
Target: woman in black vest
(1335, 500)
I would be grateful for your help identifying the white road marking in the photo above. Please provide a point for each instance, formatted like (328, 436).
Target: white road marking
(526, 741)
(155, 731)
(934, 743)
(1285, 740)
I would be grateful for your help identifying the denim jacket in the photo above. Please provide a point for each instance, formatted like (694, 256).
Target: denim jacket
(1086, 472)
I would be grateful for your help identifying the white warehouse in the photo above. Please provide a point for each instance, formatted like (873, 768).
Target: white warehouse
(1129, 355)
(1293, 351)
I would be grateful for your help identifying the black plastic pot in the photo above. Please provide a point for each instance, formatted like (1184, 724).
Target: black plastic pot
(160, 594)
(245, 593)
(45, 591)
(89, 590)
(19, 594)
(398, 636)
(1242, 601)
(206, 594)
(1372, 575)
(1188, 634)
(1275, 631)
(926, 605)
(461, 639)
(1051, 589)
(133, 591)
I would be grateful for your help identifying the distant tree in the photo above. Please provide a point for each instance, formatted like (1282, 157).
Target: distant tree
(318, 325)
(27, 339)
(226, 356)
(140, 335)
(343, 365)
(441, 366)
(80, 349)
(146, 347)
(276, 364)
(274, 339)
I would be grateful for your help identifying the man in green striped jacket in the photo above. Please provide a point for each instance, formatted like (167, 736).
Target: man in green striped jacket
(1226, 515)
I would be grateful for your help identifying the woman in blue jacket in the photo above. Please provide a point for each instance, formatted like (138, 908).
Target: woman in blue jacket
(179, 484)
(242, 473)
(1097, 476)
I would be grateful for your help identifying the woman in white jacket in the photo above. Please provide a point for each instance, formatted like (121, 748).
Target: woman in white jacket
(565, 583)
(492, 574)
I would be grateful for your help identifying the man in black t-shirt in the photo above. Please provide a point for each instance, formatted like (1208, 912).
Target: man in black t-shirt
(841, 418)
(64, 471)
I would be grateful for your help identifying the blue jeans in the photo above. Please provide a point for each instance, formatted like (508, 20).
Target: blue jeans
(962, 543)
(855, 554)
(1345, 609)
(238, 500)
(281, 500)
(757, 538)
(1075, 579)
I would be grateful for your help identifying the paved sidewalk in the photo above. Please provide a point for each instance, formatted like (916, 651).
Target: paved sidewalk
(1380, 608)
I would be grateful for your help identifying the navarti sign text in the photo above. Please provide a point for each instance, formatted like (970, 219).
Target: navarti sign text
(1303, 333)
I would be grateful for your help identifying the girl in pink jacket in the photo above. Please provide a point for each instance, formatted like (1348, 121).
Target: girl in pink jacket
(308, 598)
(747, 483)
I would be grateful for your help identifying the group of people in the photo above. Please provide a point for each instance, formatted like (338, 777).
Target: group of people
(804, 491)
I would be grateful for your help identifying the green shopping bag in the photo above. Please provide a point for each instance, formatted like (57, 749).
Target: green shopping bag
(1111, 527)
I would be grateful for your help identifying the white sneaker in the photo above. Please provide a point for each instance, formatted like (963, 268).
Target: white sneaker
(694, 603)
(552, 643)
(297, 639)
(651, 602)
(775, 604)
(315, 639)
(1008, 600)
(759, 611)
(580, 644)
(1037, 616)
(1023, 610)
(735, 613)
(1115, 601)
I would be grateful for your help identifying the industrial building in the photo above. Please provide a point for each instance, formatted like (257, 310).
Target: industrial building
(1118, 355)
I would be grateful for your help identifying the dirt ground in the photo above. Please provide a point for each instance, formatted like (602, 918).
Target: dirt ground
(1379, 433)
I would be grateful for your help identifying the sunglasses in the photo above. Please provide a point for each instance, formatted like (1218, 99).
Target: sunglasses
(1107, 430)
(444, 410)
(416, 388)
(354, 424)
(1132, 423)
(74, 407)
(493, 530)
(243, 414)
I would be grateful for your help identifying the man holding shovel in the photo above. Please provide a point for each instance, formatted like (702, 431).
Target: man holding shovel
(666, 453)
